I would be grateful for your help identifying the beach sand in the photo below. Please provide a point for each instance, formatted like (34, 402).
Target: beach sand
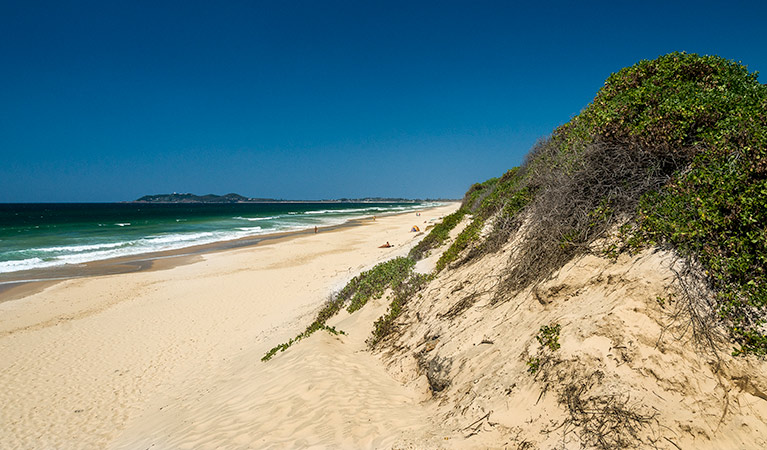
(171, 358)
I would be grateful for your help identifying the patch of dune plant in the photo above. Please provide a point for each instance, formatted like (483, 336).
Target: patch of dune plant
(366, 286)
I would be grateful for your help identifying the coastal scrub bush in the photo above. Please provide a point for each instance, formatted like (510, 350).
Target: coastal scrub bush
(714, 211)
(675, 105)
(716, 214)
(672, 152)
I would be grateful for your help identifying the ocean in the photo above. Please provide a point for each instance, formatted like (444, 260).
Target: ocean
(38, 236)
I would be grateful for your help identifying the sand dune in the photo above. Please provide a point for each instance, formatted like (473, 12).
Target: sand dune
(628, 371)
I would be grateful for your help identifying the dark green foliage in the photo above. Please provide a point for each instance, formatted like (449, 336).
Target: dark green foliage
(401, 295)
(676, 104)
(437, 236)
(713, 112)
(717, 214)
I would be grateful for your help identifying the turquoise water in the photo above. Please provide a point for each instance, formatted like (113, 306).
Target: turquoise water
(34, 236)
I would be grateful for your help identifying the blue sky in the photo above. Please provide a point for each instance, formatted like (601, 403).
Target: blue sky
(111, 100)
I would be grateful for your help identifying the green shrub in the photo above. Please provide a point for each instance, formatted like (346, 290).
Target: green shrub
(713, 113)
(716, 214)
(677, 146)
(675, 103)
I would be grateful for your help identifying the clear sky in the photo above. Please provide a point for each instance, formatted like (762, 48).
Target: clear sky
(110, 100)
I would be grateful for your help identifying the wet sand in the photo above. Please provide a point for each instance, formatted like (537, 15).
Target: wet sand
(15, 285)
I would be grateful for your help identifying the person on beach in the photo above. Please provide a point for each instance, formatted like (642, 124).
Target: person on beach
(386, 245)
(315, 229)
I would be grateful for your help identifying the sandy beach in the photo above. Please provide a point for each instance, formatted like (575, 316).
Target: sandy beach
(171, 358)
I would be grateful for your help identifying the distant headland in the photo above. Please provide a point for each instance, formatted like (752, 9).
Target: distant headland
(237, 198)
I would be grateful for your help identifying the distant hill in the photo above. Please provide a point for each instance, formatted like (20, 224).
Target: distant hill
(237, 198)
(192, 198)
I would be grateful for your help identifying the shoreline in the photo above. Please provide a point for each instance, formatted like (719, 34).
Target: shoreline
(108, 361)
(17, 285)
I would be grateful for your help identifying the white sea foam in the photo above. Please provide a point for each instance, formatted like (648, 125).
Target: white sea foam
(254, 219)
(21, 264)
(172, 238)
(79, 254)
(250, 229)
(338, 211)
(59, 255)
(79, 248)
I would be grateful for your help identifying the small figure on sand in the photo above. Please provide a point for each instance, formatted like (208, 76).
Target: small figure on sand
(316, 230)
(386, 245)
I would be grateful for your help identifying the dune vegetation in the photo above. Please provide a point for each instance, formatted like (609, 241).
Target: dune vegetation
(671, 153)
